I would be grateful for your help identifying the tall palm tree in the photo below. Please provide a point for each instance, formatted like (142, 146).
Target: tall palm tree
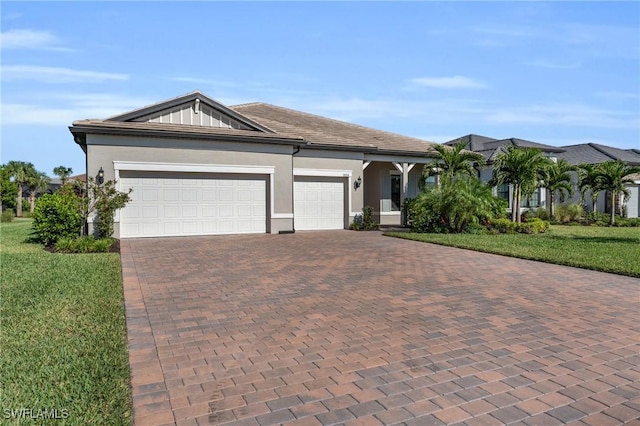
(452, 161)
(37, 182)
(523, 169)
(557, 178)
(588, 180)
(613, 177)
(21, 172)
(63, 173)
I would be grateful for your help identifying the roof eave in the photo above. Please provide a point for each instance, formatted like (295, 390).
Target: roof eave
(82, 130)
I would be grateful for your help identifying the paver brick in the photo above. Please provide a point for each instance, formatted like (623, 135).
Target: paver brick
(265, 329)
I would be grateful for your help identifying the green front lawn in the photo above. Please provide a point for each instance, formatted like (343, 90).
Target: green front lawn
(62, 334)
(615, 250)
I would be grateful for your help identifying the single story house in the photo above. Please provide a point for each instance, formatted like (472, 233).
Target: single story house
(590, 153)
(198, 167)
(593, 153)
(490, 148)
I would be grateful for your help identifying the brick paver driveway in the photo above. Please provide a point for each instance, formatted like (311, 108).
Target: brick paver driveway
(357, 328)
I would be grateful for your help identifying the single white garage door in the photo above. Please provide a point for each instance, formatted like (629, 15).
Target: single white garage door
(318, 204)
(182, 204)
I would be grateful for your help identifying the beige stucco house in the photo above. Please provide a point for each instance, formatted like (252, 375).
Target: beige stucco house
(198, 167)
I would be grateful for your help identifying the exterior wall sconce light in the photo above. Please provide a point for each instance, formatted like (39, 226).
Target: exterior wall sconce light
(100, 177)
(357, 182)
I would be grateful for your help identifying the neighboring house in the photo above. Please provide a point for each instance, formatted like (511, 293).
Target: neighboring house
(592, 153)
(490, 148)
(198, 167)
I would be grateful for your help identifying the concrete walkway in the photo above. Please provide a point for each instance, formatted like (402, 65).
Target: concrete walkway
(356, 328)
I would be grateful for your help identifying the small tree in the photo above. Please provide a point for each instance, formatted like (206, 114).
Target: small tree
(523, 169)
(452, 161)
(63, 173)
(36, 183)
(103, 200)
(557, 179)
(8, 189)
(21, 172)
(589, 180)
(613, 178)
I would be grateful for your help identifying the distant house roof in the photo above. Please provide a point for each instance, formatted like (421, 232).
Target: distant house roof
(490, 147)
(253, 122)
(593, 153)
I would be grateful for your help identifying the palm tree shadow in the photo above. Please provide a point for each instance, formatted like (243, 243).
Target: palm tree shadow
(617, 240)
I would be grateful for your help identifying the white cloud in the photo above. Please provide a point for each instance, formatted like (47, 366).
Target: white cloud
(549, 64)
(564, 115)
(68, 108)
(455, 82)
(31, 39)
(616, 95)
(56, 74)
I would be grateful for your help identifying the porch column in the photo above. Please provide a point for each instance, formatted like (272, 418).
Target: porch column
(404, 170)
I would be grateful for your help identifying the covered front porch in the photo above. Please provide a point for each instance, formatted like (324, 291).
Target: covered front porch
(388, 181)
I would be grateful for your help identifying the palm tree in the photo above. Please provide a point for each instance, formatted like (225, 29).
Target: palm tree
(21, 172)
(37, 182)
(613, 177)
(63, 173)
(557, 178)
(523, 169)
(452, 161)
(588, 180)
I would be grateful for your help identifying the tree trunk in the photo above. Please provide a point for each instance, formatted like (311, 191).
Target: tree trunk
(514, 200)
(552, 213)
(518, 199)
(612, 221)
(19, 202)
(32, 201)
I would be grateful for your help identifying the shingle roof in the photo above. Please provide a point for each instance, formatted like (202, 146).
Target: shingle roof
(490, 147)
(328, 132)
(593, 153)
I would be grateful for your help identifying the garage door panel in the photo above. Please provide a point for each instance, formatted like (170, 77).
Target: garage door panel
(172, 206)
(319, 205)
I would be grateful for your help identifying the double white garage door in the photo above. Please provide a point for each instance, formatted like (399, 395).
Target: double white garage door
(187, 204)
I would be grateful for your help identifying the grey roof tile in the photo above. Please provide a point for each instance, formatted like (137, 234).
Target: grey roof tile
(593, 153)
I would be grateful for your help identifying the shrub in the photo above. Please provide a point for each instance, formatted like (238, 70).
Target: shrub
(504, 226)
(364, 220)
(534, 226)
(455, 204)
(569, 213)
(57, 216)
(7, 216)
(87, 244)
(104, 200)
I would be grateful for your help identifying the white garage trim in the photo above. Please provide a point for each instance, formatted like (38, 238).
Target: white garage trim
(201, 168)
(329, 173)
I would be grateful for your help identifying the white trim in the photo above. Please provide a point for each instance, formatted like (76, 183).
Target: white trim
(190, 167)
(365, 164)
(397, 158)
(411, 166)
(281, 215)
(397, 166)
(393, 213)
(322, 172)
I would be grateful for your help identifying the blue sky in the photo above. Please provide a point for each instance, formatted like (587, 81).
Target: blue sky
(557, 73)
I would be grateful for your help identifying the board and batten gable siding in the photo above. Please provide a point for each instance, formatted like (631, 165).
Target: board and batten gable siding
(189, 114)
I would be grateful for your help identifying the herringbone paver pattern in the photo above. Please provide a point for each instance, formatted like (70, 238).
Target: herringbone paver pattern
(355, 328)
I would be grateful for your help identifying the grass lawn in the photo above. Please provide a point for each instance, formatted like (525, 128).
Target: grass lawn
(62, 334)
(615, 250)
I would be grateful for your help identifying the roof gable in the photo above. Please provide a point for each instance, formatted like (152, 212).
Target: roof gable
(193, 109)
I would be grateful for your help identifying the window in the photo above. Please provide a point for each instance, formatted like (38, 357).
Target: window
(503, 191)
(532, 201)
(430, 182)
(395, 193)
